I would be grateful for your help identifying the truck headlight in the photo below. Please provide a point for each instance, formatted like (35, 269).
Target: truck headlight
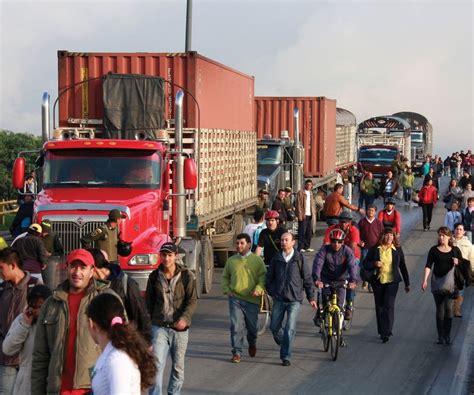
(144, 259)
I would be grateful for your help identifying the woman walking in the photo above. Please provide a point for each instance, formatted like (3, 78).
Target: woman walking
(428, 196)
(388, 260)
(126, 365)
(441, 260)
(453, 193)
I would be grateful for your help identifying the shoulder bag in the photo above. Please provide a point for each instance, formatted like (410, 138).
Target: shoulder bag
(443, 285)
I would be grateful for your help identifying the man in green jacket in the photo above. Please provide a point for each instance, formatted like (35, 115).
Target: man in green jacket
(64, 351)
(243, 281)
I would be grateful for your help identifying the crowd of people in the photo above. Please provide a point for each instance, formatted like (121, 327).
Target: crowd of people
(96, 324)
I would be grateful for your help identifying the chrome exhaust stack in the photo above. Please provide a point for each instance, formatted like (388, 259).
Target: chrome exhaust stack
(45, 122)
(298, 157)
(179, 209)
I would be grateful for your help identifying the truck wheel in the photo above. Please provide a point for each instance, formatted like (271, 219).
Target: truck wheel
(207, 264)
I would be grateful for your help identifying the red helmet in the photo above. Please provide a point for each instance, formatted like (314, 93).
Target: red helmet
(272, 214)
(337, 234)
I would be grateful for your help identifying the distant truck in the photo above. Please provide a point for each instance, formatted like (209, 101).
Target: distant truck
(184, 170)
(379, 141)
(302, 138)
(421, 137)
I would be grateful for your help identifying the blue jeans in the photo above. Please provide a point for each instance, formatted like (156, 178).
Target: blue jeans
(284, 336)
(351, 293)
(243, 318)
(168, 341)
(407, 194)
(7, 379)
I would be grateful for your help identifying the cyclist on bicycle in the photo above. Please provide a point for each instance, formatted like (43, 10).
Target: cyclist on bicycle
(333, 265)
(352, 240)
(270, 238)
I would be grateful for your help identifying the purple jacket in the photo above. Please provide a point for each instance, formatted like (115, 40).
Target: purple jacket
(330, 266)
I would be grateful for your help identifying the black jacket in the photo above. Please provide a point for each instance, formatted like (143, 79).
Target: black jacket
(287, 281)
(398, 262)
(467, 219)
(132, 299)
(279, 205)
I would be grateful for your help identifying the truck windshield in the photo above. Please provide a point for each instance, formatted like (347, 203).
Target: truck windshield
(268, 154)
(416, 137)
(377, 155)
(102, 168)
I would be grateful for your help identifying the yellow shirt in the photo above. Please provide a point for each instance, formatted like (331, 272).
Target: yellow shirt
(386, 271)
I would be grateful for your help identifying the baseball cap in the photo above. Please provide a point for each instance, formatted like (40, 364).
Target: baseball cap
(115, 214)
(81, 255)
(169, 247)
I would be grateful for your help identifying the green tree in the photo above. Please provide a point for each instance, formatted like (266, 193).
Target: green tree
(11, 144)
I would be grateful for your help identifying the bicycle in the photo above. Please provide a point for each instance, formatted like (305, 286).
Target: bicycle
(330, 322)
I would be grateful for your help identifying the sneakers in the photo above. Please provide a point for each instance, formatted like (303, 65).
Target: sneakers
(285, 362)
(235, 358)
(365, 285)
(252, 351)
(310, 250)
(302, 250)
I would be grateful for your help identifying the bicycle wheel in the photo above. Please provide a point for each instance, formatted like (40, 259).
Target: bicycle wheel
(263, 322)
(325, 335)
(335, 335)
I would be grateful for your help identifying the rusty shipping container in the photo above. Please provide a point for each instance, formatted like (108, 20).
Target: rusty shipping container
(224, 95)
(317, 128)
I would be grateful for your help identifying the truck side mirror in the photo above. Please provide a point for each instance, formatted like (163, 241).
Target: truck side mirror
(18, 176)
(190, 174)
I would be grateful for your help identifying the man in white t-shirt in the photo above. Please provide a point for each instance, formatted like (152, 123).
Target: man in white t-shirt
(305, 210)
(254, 229)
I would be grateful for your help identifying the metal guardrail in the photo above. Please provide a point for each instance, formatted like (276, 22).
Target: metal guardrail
(4, 209)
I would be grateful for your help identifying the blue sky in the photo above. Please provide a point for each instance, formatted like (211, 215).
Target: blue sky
(374, 57)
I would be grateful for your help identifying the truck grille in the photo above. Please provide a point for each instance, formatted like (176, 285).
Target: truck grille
(71, 232)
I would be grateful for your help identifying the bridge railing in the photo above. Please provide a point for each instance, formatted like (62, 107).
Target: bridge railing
(6, 208)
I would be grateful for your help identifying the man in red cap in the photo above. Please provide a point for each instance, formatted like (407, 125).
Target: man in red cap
(64, 351)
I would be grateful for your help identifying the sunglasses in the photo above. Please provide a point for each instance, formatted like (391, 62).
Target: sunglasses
(337, 241)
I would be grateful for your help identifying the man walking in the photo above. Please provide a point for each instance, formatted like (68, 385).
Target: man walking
(106, 236)
(305, 211)
(243, 281)
(388, 186)
(287, 277)
(171, 300)
(280, 207)
(13, 296)
(334, 205)
(64, 352)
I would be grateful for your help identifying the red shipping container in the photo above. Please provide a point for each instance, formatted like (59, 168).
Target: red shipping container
(317, 124)
(225, 96)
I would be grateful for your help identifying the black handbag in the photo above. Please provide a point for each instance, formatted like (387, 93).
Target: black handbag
(444, 285)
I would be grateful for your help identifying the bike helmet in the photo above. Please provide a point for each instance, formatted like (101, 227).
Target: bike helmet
(272, 214)
(35, 229)
(390, 201)
(345, 216)
(337, 234)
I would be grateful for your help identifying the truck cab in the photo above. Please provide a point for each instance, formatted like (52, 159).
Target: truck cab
(277, 161)
(376, 159)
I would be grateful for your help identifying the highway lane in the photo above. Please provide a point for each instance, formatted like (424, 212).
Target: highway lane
(410, 362)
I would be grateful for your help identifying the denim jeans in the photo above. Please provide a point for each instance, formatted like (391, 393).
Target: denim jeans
(284, 336)
(243, 318)
(168, 341)
(407, 194)
(351, 293)
(7, 379)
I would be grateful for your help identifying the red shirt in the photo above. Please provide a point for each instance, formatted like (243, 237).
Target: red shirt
(391, 220)
(428, 194)
(69, 369)
(352, 236)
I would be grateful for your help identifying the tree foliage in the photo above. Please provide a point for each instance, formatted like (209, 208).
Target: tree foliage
(11, 144)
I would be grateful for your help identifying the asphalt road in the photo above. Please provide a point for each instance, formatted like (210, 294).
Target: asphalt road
(410, 363)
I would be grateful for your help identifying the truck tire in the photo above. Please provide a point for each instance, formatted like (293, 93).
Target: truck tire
(198, 271)
(207, 264)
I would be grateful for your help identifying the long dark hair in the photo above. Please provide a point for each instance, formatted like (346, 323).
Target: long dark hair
(102, 310)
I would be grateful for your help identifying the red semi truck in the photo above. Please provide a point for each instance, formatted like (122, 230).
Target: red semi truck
(116, 148)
